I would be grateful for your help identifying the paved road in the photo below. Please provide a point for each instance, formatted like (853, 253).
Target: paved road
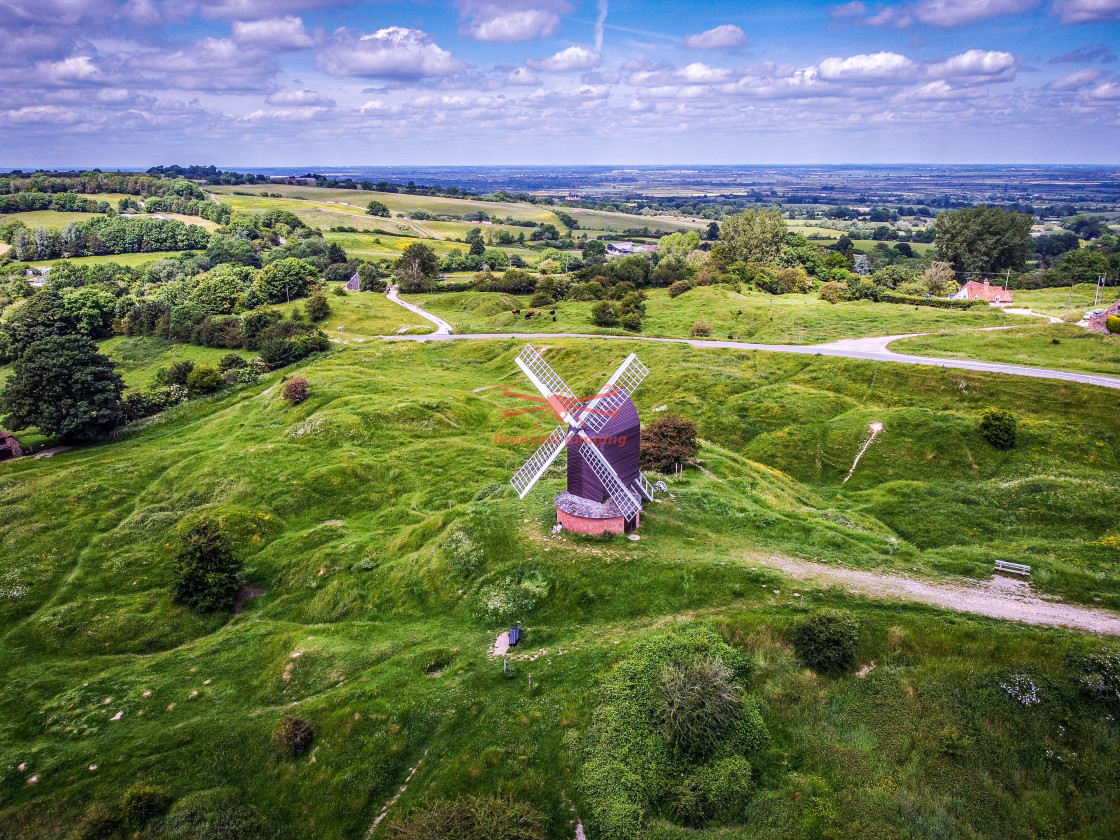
(871, 349)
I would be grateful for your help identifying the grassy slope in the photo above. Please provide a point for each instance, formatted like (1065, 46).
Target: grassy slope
(753, 316)
(1057, 302)
(119, 259)
(338, 507)
(363, 315)
(139, 358)
(1062, 346)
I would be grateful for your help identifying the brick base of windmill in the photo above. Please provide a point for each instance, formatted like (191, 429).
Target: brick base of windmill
(590, 518)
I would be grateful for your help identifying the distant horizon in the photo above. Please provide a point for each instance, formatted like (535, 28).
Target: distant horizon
(323, 167)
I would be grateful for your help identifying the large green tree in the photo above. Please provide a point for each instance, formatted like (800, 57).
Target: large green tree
(754, 235)
(285, 279)
(984, 239)
(63, 387)
(416, 267)
(42, 315)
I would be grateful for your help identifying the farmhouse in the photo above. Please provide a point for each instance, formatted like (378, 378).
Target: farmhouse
(1099, 322)
(984, 291)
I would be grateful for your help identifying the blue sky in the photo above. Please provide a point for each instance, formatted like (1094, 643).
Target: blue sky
(133, 83)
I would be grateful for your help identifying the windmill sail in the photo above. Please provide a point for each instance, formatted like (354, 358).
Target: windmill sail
(524, 479)
(599, 411)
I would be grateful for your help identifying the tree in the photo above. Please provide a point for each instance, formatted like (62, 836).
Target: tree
(220, 289)
(594, 252)
(754, 235)
(206, 574)
(712, 233)
(370, 278)
(285, 279)
(41, 316)
(66, 389)
(317, 307)
(605, 313)
(939, 279)
(91, 310)
(678, 245)
(984, 239)
(377, 208)
(669, 440)
(416, 267)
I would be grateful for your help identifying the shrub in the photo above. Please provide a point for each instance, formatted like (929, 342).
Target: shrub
(997, 427)
(586, 291)
(294, 734)
(834, 292)
(231, 361)
(1113, 323)
(204, 379)
(541, 299)
(142, 802)
(472, 818)
(176, 374)
(1098, 675)
(98, 823)
(295, 390)
(679, 288)
(631, 321)
(700, 705)
(719, 790)
(826, 641)
(513, 598)
(463, 554)
(668, 440)
(605, 313)
(317, 307)
(700, 328)
(206, 574)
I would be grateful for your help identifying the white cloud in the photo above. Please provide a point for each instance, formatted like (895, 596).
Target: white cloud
(523, 76)
(305, 97)
(875, 67)
(275, 34)
(939, 91)
(1076, 81)
(696, 73)
(40, 115)
(982, 64)
(1109, 92)
(568, 60)
(853, 9)
(722, 37)
(511, 20)
(392, 53)
(1087, 11)
(951, 13)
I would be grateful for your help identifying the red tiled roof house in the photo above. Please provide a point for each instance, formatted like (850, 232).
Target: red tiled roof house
(984, 291)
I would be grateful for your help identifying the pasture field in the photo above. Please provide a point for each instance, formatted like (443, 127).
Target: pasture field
(1059, 301)
(140, 358)
(361, 316)
(751, 316)
(46, 218)
(920, 248)
(119, 259)
(342, 507)
(1062, 346)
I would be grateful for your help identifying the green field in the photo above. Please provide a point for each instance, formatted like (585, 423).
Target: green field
(753, 316)
(341, 508)
(1059, 301)
(1062, 346)
(46, 218)
(139, 359)
(119, 259)
(361, 316)
(920, 248)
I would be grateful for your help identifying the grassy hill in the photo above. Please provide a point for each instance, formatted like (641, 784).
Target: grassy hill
(369, 626)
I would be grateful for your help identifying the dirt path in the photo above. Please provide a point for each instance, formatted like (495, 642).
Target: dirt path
(1003, 598)
(442, 327)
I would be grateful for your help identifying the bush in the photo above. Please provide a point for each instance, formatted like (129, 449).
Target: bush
(1098, 675)
(295, 390)
(631, 321)
(1113, 323)
(997, 427)
(204, 379)
(98, 823)
(317, 307)
(541, 299)
(937, 303)
(140, 404)
(176, 374)
(206, 574)
(700, 705)
(826, 641)
(668, 440)
(719, 790)
(142, 802)
(294, 734)
(700, 328)
(605, 314)
(834, 293)
(472, 818)
(513, 598)
(231, 361)
(679, 288)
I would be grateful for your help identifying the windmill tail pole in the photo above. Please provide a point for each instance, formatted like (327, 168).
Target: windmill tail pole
(876, 427)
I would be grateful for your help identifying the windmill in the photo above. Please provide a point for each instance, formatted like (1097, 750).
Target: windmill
(602, 437)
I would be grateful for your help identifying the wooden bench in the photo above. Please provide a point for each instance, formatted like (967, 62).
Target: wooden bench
(1013, 568)
(515, 634)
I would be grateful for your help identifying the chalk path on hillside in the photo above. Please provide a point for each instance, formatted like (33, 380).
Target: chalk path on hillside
(1003, 598)
(873, 349)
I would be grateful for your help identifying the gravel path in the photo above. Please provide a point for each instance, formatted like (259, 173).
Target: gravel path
(443, 329)
(1003, 598)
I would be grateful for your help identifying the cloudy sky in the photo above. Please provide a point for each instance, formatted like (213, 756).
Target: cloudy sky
(134, 83)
